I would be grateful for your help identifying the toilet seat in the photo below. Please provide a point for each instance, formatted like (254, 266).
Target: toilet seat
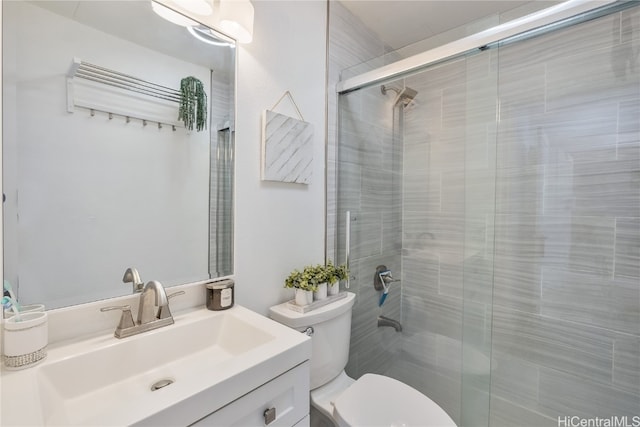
(322, 397)
(376, 400)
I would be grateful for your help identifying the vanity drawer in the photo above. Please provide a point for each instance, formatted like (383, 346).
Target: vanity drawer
(287, 393)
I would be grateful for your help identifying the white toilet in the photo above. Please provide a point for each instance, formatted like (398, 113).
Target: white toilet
(372, 400)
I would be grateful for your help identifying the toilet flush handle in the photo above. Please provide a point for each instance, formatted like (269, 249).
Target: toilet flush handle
(308, 331)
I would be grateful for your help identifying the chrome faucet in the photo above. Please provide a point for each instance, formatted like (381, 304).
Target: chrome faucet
(152, 301)
(386, 321)
(153, 311)
(132, 276)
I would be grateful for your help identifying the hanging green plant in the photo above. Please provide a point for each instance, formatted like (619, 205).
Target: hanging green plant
(193, 104)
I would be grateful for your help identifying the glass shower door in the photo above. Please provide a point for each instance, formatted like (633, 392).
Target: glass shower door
(369, 176)
(513, 224)
(479, 121)
(418, 180)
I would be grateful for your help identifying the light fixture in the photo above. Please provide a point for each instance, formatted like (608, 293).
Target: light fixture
(200, 7)
(236, 19)
(171, 15)
(206, 35)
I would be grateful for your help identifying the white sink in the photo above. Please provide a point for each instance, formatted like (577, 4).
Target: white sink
(215, 356)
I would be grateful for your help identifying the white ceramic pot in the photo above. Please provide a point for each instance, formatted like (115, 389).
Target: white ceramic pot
(303, 297)
(333, 289)
(321, 292)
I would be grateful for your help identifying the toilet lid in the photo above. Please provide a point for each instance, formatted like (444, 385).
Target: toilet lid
(376, 400)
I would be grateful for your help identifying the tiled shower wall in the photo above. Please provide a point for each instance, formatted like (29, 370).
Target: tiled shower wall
(350, 43)
(520, 237)
(566, 318)
(371, 185)
(528, 228)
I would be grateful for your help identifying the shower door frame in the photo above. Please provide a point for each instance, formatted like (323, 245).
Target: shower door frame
(538, 21)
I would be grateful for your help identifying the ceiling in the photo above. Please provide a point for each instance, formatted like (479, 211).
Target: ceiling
(399, 23)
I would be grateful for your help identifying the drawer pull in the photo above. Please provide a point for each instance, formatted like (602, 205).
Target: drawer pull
(269, 416)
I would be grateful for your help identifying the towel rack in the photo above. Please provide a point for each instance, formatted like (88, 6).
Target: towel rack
(120, 80)
(105, 76)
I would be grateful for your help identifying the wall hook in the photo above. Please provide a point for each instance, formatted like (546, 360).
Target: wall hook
(173, 128)
(92, 112)
(144, 122)
(128, 119)
(159, 125)
(110, 116)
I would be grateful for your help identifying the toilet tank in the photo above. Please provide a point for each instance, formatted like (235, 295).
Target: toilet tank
(331, 325)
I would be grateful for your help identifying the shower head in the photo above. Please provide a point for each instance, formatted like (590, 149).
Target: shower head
(405, 96)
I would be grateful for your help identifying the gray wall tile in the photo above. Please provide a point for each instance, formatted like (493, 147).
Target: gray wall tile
(562, 345)
(592, 75)
(627, 249)
(505, 413)
(626, 363)
(514, 379)
(565, 394)
(422, 192)
(421, 274)
(630, 25)
(591, 299)
(440, 315)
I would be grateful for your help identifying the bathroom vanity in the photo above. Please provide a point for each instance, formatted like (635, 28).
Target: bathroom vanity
(232, 367)
(280, 402)
(129, 182)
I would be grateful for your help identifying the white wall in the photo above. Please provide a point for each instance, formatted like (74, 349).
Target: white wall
(278, 226)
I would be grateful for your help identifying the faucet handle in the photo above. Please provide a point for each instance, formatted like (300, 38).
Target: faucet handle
(388, 278)
(126, 320)
(164, 311)
(382, 278)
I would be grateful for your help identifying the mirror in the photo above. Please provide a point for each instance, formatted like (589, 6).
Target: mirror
(99, 177)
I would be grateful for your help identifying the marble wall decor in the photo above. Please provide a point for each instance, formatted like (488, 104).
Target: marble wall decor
(287, 148)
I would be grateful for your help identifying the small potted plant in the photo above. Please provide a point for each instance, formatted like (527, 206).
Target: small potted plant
(315, 282)
(335, 274)
(304, 284)
(320, 277)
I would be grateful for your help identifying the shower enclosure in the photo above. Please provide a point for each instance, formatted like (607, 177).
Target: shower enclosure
(502, 187)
